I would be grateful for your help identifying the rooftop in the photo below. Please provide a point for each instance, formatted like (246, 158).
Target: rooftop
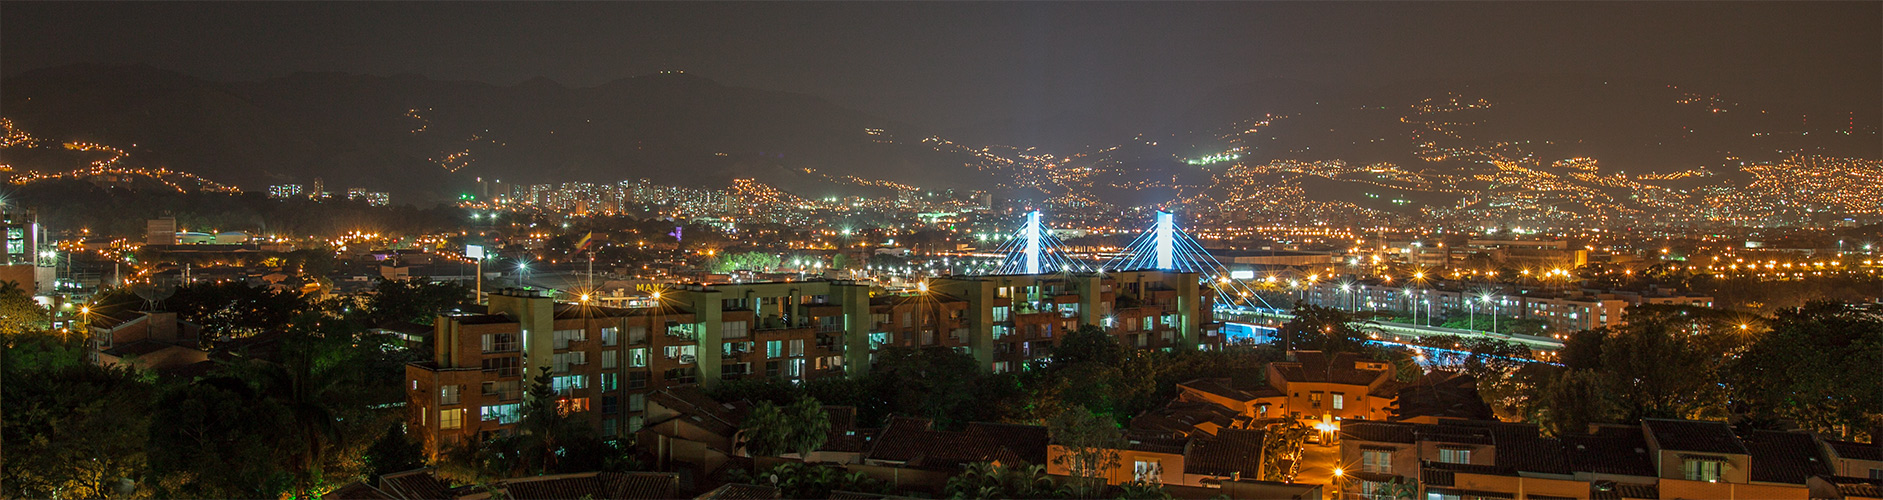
(1696, 436)
(1232, 451)
(1784, 457)
(915, 442)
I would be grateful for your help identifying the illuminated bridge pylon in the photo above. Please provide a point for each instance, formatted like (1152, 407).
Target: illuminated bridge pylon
(1034, 250)
(1165, 247)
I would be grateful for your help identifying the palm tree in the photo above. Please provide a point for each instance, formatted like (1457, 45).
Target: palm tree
(307, 394)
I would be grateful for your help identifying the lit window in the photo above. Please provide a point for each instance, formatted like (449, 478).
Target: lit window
(1454, 455)
(1147, 471)
(733, 330)
(562, 384)
(503, 414)
(1380, 461)
(451, 419)
(1701, 470)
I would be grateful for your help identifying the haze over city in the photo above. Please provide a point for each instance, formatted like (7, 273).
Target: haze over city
(1356, 251)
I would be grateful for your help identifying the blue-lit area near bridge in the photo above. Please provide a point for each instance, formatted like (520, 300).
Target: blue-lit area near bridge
(1245, 308)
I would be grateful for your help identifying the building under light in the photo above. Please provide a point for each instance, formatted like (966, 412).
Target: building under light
(284, 191)
(25, 264)
(604, 361)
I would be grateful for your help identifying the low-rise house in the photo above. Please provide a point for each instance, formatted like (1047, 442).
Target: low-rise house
(1200, 460)
(1314, 387)
(1853, 459)
(145, 340)
(1658, 459)
(685, 427)
(909, 453)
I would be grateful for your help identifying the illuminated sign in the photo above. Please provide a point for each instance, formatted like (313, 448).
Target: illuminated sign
(474, 251)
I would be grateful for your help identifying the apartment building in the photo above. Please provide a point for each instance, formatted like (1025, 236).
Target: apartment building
(605, 360)
(1012, 319)
(1656, 459)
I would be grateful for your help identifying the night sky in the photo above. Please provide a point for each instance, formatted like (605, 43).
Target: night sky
(957, 64)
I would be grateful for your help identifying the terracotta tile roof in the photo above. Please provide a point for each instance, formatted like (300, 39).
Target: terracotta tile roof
(1222, 387)
(1315, 366)
(1441, 394)
(1695, 436)
(903, 439)
(696, 407)
(844, 435)
(914, 442)
(1638, 491)
(1521, 448)
(1454, 433)
(1784, 457)
(1379, 432)
(1469, 493)
(1859, 487)
(599, 485)
(417, 484)
(736, 491)
(1230, 452)
(1182, 418)
(1437, 477)
(1027, 441)
(1465, 468)
(1857, 451)
(1157, 444)
(1610, 450)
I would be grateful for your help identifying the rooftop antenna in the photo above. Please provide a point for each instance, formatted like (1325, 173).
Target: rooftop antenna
(153, 293)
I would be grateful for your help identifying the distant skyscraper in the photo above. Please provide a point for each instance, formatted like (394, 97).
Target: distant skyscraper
(161, 231)
(373, 198)
(22, 234)
(284, 191)
(25, 265)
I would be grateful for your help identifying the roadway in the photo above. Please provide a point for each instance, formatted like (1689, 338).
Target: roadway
(1271, 318)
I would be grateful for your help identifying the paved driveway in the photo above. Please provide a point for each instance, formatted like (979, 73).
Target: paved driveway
(1317, 464)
